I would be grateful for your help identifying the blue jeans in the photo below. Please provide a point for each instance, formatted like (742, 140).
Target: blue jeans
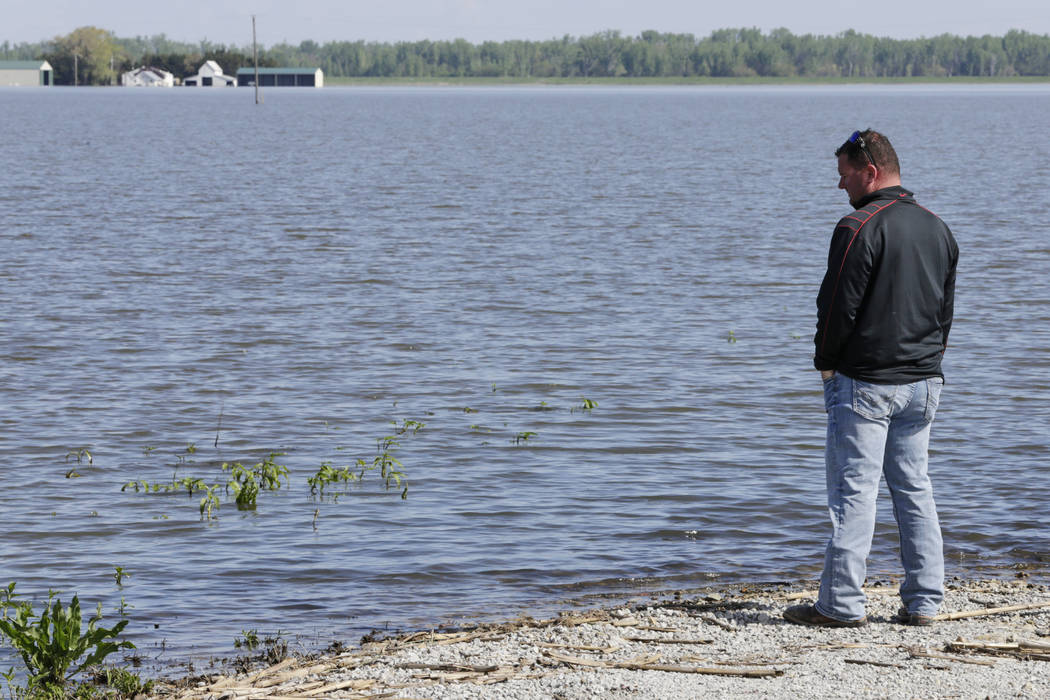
(876, 429)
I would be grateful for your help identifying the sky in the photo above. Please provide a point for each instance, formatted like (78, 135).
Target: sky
(293, 21)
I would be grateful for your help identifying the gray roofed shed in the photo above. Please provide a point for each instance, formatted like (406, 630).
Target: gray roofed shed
(20, 73)
(281, 77)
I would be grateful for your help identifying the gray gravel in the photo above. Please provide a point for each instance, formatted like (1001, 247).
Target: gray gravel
(743, 629)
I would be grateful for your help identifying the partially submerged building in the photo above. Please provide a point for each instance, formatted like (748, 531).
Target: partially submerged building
(210, 75)
(281, 77)
(22, 73)
(147, 76)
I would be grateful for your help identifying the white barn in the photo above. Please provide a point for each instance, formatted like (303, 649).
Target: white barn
(210, 75)
(147, 76)
(35, 73)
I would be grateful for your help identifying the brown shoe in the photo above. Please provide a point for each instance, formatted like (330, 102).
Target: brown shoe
(809, 615)
(915, 619)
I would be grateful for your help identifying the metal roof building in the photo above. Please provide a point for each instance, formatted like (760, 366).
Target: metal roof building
(26, 73)
(281, 77)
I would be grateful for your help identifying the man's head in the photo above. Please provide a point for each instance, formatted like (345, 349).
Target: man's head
(867, 162)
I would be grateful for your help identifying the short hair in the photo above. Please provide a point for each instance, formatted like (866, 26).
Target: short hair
(878, 147)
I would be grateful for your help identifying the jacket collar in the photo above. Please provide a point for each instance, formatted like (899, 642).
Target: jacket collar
(895, 192)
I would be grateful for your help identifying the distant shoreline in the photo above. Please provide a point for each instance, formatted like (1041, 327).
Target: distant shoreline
(673, 81)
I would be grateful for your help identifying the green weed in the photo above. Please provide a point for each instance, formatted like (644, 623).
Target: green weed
(327, 475)
(246, 482)
(54, 648)
(119, 574)
(123, 608)
(249, 640)
(80, 455)
(586, 405)
(271, 472)
(191, 485)
(387, 464)
(406, 425)
(209, 502)
(140, 485)
(523, 437)
(125, 683)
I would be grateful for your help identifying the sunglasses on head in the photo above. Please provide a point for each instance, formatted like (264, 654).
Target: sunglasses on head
(856, 138)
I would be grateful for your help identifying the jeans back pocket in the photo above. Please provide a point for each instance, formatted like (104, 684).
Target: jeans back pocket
(933, 397)
(874, 401)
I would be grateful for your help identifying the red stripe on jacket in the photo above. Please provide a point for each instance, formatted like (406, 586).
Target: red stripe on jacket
(838, 276)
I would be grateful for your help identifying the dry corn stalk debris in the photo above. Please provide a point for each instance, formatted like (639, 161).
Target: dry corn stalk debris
(1037, 651)
(919, 653)
(651, 663)
(573, 647)
(991, 611)
(657, 640)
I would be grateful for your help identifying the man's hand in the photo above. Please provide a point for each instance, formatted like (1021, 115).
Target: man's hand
(826, 374)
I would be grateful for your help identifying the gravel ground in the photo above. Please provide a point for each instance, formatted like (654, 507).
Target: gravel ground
(612, 653)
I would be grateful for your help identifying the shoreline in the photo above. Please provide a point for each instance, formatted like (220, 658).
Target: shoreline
(729, 640)
(510, 81)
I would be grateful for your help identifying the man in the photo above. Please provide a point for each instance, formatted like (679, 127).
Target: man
(883, 315)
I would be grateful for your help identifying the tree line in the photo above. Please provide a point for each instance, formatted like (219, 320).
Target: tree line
(725, 53)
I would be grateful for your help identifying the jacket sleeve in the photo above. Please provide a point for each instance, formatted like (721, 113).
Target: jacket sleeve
(850, 262)
(948, 306)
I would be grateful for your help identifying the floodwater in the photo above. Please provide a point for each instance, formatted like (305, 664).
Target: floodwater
(189, 279)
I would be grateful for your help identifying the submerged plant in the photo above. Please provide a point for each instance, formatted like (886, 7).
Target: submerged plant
(586, 405)
(80, 455)
(191, 485)
(140, 485)
(244, 485)
(406, 425)
(271, 472)
(246, 482)
(123, 608)
(209, 502)
(523, 437)
(387, 464)
(327, 475)
(249, 640)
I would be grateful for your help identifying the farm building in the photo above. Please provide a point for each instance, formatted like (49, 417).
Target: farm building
(210, 75)
(147, 76)
(281, 77)
(26, 73)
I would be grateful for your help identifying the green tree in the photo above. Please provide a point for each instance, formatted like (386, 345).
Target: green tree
(89, 51)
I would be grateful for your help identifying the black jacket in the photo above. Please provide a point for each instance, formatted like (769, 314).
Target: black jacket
(885, 306)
